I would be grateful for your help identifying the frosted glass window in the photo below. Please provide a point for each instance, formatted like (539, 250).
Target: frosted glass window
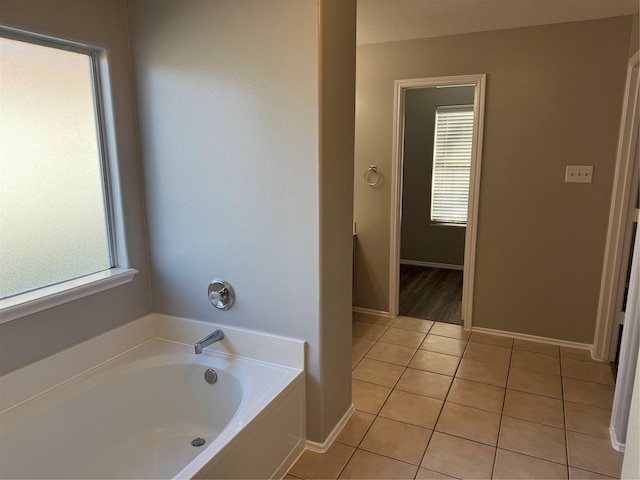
(451, 164)
(53, 216)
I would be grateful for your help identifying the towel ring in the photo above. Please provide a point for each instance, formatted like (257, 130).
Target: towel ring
(372, 176)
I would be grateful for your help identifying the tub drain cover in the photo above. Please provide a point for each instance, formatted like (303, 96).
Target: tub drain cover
(197, 442)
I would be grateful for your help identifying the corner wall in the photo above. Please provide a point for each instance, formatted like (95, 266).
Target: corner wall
(102, 23)
(553, 98)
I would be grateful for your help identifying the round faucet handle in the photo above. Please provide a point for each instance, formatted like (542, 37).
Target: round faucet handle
(221, 294)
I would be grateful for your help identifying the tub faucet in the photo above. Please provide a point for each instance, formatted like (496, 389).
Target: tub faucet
(208, 340)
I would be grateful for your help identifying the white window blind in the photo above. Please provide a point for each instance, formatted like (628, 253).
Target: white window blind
(451, 164)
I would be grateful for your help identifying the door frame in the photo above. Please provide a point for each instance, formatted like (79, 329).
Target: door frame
(400, 87)
(610, 296)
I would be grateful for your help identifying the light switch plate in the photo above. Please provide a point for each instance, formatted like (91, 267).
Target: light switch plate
(578, 174)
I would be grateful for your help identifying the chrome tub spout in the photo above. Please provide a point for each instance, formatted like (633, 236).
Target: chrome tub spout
(208, 340)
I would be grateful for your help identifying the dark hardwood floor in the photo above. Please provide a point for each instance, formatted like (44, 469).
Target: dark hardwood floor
(431, 293)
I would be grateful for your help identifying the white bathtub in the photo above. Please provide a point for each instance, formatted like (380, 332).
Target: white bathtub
(135, 415)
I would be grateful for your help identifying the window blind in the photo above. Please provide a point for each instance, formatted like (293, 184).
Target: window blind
(451, 164)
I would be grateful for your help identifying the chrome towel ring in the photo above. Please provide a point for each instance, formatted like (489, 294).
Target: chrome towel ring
(372, 176)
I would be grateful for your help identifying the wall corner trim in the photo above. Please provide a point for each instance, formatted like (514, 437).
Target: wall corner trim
(324, 446)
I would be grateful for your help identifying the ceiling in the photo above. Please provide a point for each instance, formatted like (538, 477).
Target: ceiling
(392, 20)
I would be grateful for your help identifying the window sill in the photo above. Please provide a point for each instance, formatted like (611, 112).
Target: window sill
(31, 302)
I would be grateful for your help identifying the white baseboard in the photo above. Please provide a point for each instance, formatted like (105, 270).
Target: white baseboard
(324, 446)
(534, 338)
(368, 311)
(614, 440)
(418, 263)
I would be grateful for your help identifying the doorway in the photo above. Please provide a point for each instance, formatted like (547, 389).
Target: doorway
(434, 211)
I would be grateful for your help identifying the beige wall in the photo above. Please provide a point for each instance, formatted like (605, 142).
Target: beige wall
(635, 37)
(102, 23)
(553, 98)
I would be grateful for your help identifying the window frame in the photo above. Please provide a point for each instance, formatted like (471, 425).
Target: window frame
(444, 108)
(48, 296)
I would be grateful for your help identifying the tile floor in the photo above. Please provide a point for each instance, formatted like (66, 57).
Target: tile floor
(435, 402)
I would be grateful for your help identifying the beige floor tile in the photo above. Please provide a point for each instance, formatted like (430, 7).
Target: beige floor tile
(577, 353)
(380, 373)
(535, 408)
(446, 345)
(458, 457)
(353, 432)
(367, 330)
(415, 324)
(588, 393)
(577, 474)
(411, 408)
(535, 439)
(360, 346)
(449, 330)
(483, 372)
(537, 362)
(313, 465)
(387, 352)
(588, 371)
(488, 339)
(368, 397)
(488, 353)
(587, 419)
(355, 315)
(470, 423)
(424, 474)
(477, 395)
(397, 440)
(511, 465)
(428, 384)
(367, 465)
(435, 362)
(406, 338)
(355, 359)
(377, 319)
(537, 347)
(593, 454)
(535, 382)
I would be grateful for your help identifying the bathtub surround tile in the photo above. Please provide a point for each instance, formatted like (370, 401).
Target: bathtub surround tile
(535, 408)
(406, 338)
(396, 440)
(446, 345)
(435, 362)
(367, 330)
(451, 331)
(424, 383)
(536, 347)
(578, 474)
(410, 408)
(588, 371)
(377, 319)
(488, 339)
(593, 454)
(387, 352)
(483, 372)
(587, 419)
(367, 465)
(488, 353)
(535, 439)
(380, 373)
(361, 346)
(470, 423)
(535, 382)
(368, 397)
(477, 395)
(313, 465)
(414, 324)
(588, 393)
(424, 474)
(355, 429)
(511, 465)
(537, 362)
(458, 457)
